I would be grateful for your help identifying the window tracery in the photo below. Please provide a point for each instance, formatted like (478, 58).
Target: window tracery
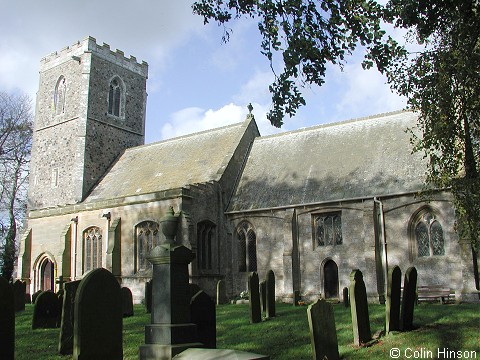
(93, 248)
(147, 237)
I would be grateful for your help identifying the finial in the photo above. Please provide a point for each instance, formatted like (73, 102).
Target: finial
(250, 108)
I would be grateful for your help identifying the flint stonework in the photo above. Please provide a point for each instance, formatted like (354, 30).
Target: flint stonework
(359, 309)
(323, 333)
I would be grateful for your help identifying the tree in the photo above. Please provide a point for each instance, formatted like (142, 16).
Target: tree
(15, 144)
(442, 83)
(308, 34)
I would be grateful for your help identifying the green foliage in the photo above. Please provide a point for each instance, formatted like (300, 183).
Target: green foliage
(307, 34)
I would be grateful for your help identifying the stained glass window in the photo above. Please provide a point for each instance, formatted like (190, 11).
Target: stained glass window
(328, 229)
(93, 248)
(148, 237)
(429, 236)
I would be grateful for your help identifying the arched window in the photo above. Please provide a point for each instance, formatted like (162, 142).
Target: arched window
(147, 237)
(247, 248)
(205, 243)
(116, 98)
(93, 248)
(328, 229)
(429, 235)
(59, 96)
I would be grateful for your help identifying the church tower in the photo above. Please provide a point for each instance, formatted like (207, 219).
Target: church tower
(90, 107)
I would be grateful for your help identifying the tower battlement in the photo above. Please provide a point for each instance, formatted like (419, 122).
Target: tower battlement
(89, 45)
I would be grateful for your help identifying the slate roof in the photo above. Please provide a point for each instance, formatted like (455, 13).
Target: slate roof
(353, 159)
(170, 164)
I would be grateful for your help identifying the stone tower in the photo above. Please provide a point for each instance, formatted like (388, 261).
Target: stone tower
(90, 107)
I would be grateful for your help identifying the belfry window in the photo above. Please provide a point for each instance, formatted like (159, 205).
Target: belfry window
(429, 236)
(116, 98)
(59, 96)
(147, 237)
(328, 229)
(247, 248)
(205, 243)
(93, 248)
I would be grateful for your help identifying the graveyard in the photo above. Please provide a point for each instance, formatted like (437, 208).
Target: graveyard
(286, 336)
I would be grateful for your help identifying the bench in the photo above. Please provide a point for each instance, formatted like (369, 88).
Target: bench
(433, 292)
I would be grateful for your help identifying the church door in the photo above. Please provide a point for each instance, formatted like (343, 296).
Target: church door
(330, 279)
(47, 275)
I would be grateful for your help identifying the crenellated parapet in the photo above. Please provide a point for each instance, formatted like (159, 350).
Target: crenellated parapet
(89, 44)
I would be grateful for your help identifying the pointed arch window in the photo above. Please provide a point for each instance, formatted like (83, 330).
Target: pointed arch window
(147, 237)
(328, 229)
(205, 244)
(429, 236)
(92, 248)
(116, 97)
(247, 248)
(59, 96)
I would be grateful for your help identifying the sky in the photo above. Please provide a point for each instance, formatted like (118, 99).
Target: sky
(196, 82)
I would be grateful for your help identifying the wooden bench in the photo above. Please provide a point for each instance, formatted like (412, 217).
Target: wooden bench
(427, 293)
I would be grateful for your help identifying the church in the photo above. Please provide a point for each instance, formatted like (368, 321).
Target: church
(310, 204)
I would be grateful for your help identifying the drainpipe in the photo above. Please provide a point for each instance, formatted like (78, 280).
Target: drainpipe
(73, 266)
(384, 242)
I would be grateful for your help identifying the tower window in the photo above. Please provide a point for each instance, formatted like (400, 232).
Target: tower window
(116, 98)
(59, 96)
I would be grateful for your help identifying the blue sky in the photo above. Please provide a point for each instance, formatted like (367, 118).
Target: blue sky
(196, 82)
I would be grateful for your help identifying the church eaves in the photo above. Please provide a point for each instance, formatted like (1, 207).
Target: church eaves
(348, 160)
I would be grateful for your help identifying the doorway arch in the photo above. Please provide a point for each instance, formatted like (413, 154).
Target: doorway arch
(330, 279)
(47, 275)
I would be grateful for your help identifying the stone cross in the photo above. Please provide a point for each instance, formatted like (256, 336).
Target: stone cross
(359, 309)
(7, 320)
(323, 333)
(254, 297)
(409, 297)
(392, 308)
(270, 285)
(97, 329)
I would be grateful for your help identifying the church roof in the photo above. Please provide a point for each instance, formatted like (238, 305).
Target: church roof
(170, 164)
(347, 160)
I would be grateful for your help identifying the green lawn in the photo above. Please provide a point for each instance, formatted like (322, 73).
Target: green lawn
(456, 327)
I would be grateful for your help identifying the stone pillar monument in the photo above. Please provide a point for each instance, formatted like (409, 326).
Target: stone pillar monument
(171, 331)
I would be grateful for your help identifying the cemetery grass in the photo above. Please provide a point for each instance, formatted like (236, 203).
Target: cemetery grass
(287, 336)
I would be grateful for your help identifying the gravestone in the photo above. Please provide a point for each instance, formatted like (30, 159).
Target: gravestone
(408, 301)
(254, 298)
(263, 295)
(323, 333)
(35, 295)
(346, 301)
(7, 320)
(46, 311)
(127, 302)
(392, 308)
(19, 292)
(221, 293)
(270, 294)
(148, 296)
(97, 330)
(65, 343)
(359, 309)
(202, 314)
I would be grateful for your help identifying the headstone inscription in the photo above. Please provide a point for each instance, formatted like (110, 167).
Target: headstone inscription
(7, 320)
(97, 329)
(359, 309)
(323, 333)
(408, 301)
(254, 298)
(46, 311)
(392, 308)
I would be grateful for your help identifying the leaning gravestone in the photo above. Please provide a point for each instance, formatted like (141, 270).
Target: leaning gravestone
(7, 320)
(65, 343)
(323, 333)
(254, 297)
(202, 314)
(19, 292)
(221, 293)
(392, 308)
(148, 296)
(409, 295)
(97, 331)
(359, 309)
(127, 302)
(270, 285)
(46, 311)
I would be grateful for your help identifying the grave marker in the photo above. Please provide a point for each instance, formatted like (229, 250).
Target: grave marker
(19, 294)
(346, 301)
(408, 301)
(65, 343)
(270, 284)
(359, 309)
(221, 293)
(46, 311)
(202, 313)
(148, 296)
(392, 308)
(7, 320)
(323, 333)
(263, 295)
(127, 302)
(254, 297)
(97, 329)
